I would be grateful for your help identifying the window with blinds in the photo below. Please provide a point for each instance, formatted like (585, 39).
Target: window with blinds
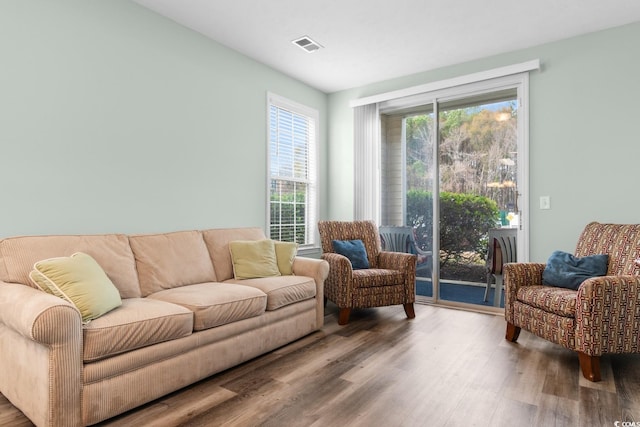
(292, 171)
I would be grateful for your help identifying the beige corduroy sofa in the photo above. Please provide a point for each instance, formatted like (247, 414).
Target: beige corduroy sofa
(183, 317)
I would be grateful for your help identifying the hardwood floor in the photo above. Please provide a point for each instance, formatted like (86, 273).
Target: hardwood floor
(444, 368)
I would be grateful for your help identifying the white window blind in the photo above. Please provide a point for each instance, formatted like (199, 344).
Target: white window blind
(367, 163)
(292, 171)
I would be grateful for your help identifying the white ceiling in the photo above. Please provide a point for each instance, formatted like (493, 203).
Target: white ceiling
(366, 41)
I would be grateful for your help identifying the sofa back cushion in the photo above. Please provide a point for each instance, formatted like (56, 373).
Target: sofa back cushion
(620, 241)
(170, 260)
(217, 241)
(111, 251)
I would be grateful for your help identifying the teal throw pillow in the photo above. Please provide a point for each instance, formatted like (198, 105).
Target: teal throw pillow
(354, 250)
(568, 271)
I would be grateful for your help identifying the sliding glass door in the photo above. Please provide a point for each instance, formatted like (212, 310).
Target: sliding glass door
(454, 159)
(478, 190)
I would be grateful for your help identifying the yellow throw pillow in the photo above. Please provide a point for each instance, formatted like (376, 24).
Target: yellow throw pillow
(285, 253)
(253, 258)
(80, 280)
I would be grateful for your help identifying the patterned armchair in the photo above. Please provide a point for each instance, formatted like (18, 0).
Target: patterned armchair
(602, 316)
(390, 279)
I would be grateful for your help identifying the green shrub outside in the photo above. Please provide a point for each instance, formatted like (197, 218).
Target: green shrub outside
(464, 222)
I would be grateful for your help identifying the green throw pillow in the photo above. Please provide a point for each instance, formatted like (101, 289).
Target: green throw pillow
(80, 280)
(285, 254)
(254, 258)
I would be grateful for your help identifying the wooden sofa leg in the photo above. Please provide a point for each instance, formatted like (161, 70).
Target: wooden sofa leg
(590, 366)
(409, 310)
(513, 332)
(343, 317)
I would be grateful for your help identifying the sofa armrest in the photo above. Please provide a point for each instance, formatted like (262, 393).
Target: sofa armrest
(608, 315)
(319, 270)
(515, 276)
(41, 357)
(311, 267)
(37, 315)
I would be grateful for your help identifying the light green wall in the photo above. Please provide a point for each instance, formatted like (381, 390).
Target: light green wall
(584, 138)
(115, 119)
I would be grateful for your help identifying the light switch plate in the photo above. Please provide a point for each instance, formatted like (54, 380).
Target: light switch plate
(545, 202)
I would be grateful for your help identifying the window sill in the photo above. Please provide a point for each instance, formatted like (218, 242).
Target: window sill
(310, 252)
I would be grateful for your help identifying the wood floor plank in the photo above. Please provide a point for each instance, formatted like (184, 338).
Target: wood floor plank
(598, 407)
(627, 380)
(526, 382)
(10, 415)
(556, 411)
(444, 368)
(175, 409)
(559, 378)
(299, 366)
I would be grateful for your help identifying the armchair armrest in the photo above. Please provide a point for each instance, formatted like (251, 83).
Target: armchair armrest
(608, 315)
(403, 262)
(515, 276)
(339, 284)
(397, 261)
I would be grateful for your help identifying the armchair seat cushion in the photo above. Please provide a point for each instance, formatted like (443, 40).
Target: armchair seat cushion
(560, 301)
(375, 277)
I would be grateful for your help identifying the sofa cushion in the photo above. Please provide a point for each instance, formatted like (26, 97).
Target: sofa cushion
(253, 258)
(215, 304)
(111, 251)
(137, 323)
(80, 280)
(170, 260)
(560, 301)
(217, 241)
(282, 290)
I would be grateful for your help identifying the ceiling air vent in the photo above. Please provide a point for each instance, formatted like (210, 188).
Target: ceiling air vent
(307, 44)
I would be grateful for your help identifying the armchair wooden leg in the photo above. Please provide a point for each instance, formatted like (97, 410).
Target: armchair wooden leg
(590, 366)
(343, 317)
(513, 332)
(408, 309)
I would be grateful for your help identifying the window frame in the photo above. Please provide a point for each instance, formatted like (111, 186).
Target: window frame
(312, 199)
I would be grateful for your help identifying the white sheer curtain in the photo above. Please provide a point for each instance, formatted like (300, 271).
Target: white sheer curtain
(367, 163)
